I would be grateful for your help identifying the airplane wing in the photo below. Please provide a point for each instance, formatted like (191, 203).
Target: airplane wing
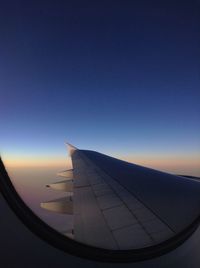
(118, 205)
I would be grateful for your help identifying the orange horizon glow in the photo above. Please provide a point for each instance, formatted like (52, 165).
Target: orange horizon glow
(30, 162)
(188, 165)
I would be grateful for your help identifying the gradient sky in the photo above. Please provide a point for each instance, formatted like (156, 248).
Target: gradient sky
(119, 77)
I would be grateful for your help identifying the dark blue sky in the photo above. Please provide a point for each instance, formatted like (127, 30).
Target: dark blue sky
(121, 77)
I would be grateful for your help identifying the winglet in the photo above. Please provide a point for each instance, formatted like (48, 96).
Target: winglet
(71, 148)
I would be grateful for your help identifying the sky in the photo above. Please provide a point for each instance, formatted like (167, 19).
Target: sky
(118, 77)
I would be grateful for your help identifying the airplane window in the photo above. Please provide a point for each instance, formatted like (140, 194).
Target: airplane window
(120, 80)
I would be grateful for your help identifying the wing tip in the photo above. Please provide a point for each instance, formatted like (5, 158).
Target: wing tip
(71, 148)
